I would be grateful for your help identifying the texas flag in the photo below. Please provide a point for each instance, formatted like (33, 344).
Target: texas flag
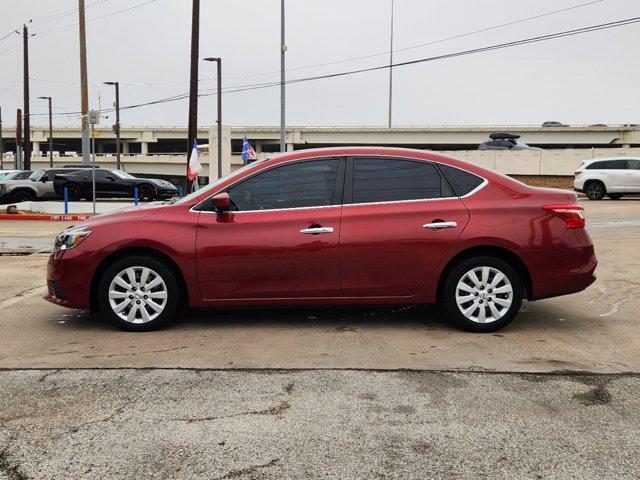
(248, 153)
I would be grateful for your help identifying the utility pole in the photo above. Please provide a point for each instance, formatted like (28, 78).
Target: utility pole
(283, 50)
(18, 158)
(84, 90)
(50, 131)
(219, 121)
(1, 143)
(116, 127)
(27, 129)
(192, 134)
(391, 68)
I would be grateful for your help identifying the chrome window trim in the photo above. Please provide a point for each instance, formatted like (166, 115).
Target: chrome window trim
(484, 183)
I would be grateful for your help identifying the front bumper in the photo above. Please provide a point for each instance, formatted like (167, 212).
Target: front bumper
(69, 278)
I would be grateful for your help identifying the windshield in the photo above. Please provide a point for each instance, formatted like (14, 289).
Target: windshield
(195, 194)
(121, 174)
(4, 176)
(35, 176)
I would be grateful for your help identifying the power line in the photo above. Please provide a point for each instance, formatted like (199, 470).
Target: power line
(434, 42)
(11, 48)
(362, 57)
(58, 15)
(11, 86)
(525, 41)
(98, 18)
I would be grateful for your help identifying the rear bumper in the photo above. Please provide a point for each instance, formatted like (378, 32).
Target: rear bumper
(568, 268)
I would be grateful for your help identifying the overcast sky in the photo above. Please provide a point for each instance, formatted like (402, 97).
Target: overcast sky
(585, 79)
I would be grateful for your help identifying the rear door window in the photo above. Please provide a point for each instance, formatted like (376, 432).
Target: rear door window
(461, 182)
(390, 180)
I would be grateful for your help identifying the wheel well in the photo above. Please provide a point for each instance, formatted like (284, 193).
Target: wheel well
(494, 251)
(24, 189)
(118, 254)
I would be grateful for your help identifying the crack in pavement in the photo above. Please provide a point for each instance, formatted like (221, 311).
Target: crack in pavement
(248, 470)
(275, 410)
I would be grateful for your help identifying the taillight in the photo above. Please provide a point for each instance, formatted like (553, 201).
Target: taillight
(572, 214)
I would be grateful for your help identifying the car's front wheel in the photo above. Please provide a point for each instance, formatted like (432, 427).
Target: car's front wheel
(482, 294)
(138, 293)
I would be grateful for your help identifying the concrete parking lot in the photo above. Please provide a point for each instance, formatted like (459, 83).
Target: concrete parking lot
(325, 393)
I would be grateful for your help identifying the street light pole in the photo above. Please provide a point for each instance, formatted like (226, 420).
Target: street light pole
(391, 68)
(84, 88)
(219, 81)
(116, 127)
(50, 130)
(283, 50)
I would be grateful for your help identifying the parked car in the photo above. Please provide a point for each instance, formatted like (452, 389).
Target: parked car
(38, 186)
(335, 226)
(15, 175)
(504, 141)
(553, 123)
(4, 173)
(613, 177)
(112, 184)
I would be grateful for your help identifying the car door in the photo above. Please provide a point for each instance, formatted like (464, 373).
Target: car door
(615, 175)
(399, 220)
(633, 176)
(280, 240)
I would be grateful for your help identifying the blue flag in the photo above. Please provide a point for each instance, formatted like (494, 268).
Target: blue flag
(248, 153)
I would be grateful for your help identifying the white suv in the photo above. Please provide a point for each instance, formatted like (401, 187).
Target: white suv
(613, 177)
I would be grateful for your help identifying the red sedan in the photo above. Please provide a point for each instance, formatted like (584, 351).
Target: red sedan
(339, 226)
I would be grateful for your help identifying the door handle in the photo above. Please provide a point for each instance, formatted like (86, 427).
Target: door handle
(440, 225)
(316, 230)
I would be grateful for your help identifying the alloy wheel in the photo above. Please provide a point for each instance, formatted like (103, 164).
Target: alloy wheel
(484, 294)
(594, 191)
(138, 295)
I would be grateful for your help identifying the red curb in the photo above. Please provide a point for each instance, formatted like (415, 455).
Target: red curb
(44, 216)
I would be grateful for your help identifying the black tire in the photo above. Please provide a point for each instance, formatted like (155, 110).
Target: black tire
(485, 296)
(23, 196)
(74, 191)
(146, 193)
(615, 196)
(138, 262)
(595, 190)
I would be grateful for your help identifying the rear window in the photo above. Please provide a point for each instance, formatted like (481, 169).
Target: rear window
(461, 182)
(608, 165)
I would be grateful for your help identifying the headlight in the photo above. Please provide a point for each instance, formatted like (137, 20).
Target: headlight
(71, 238)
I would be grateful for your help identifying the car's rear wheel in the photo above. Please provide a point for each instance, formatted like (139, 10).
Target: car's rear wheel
(595, 190)
(23, 196)
(139, 293)
(615, 196)
(482, 294)
(74, 191)
(147, 193)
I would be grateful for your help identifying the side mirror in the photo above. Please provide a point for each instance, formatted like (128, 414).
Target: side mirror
(44, 179)
(221, 202)
(111, 179)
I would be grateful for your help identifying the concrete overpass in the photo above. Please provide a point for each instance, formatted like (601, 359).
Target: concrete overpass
(162, 150)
